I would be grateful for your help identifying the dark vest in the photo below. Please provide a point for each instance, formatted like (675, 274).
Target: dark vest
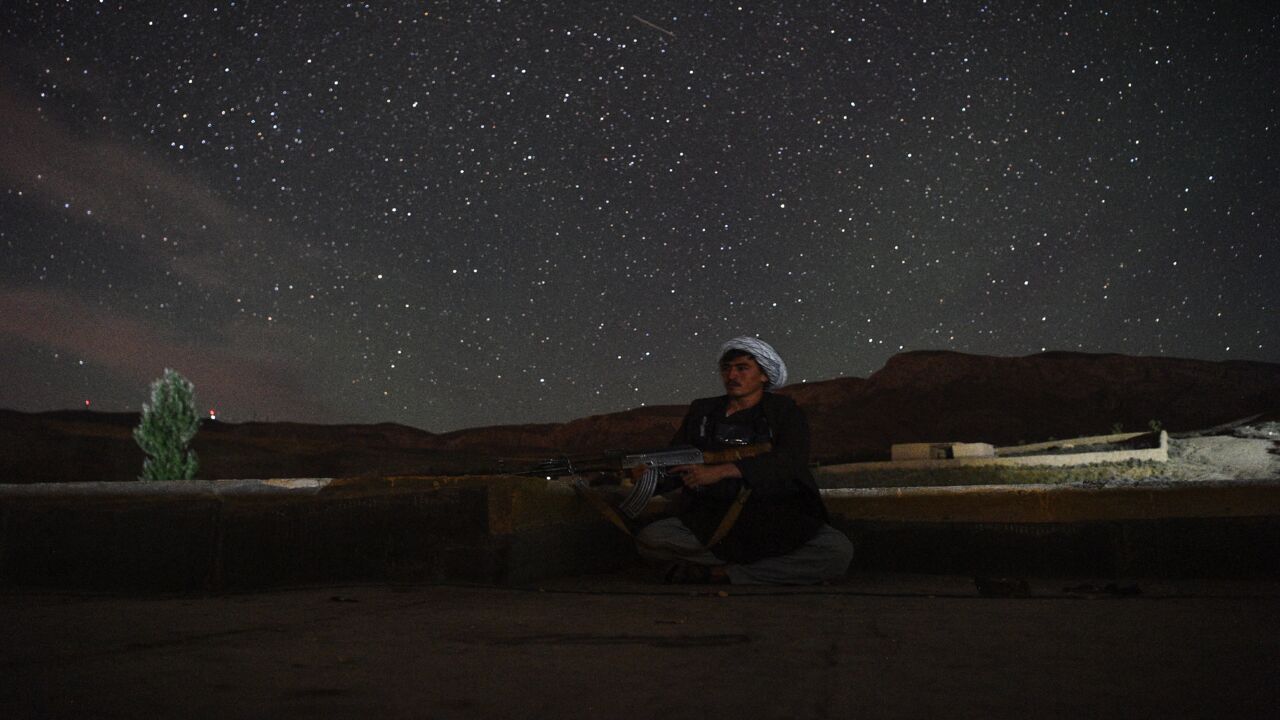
(766, 527)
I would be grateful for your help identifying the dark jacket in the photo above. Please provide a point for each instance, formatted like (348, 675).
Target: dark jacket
(784, 509)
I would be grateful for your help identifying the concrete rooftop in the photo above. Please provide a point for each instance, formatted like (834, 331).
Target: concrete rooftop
(621, 646)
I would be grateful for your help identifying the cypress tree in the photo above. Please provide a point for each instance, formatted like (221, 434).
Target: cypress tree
(168, 424)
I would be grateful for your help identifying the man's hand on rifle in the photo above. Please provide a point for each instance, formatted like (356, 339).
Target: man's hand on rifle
(699, 475)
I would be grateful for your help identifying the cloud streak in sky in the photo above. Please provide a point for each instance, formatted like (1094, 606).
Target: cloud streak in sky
(248, 371)
(102, 178)
(103, 181)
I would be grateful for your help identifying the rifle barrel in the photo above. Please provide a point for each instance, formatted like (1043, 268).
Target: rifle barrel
(617, 462)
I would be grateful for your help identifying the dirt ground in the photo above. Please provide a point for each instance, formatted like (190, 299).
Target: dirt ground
(623, 647)
(1225, 457)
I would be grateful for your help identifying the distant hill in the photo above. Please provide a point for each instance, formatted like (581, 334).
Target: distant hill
(916, 397)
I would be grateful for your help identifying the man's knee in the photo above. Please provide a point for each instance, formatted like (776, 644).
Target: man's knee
(660, 532)
(846, 551)
(838, 548)
(665, 538)
(647, 542)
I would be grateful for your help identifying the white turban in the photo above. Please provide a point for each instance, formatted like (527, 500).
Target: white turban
(765, 355)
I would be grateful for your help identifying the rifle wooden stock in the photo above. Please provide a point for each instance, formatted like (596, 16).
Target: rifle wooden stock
(715, 457)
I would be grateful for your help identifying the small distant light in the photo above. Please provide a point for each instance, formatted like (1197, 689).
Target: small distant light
(213, 414)
(86, 403)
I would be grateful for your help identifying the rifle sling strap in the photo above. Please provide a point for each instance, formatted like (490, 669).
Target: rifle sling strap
(730, 517)
(594, 500)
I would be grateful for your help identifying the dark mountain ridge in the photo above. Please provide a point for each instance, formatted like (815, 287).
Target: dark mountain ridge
(916, 397)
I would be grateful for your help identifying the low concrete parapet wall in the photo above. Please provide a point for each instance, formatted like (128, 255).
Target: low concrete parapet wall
(245, 534)
(1202, 547)
(1211, 529)
(1057, 503)
(234, 534)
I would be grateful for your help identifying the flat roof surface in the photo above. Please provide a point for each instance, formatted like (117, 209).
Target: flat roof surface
(625, 646)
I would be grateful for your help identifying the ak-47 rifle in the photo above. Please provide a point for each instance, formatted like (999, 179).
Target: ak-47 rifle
(648, 469)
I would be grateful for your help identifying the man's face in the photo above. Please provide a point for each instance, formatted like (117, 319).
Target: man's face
(742, 377)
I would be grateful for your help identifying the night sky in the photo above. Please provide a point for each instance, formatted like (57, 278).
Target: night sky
(459, 214)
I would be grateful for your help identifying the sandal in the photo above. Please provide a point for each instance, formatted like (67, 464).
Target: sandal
(694, 574)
